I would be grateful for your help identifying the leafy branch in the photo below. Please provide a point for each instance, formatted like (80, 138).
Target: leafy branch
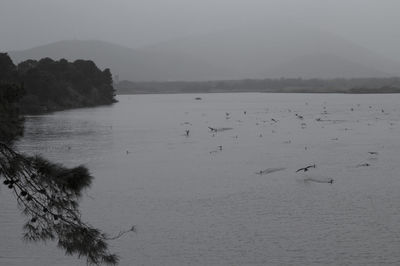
(48, 195)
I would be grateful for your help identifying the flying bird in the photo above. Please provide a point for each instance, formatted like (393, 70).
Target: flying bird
(305, 169)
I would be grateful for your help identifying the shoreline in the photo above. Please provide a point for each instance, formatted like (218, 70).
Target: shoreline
(274, 92)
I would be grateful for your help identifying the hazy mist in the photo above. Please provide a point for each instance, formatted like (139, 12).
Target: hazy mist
(26, 23)
(221, 132)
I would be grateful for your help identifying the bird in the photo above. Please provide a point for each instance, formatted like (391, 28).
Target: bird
(305, 169)
(215, 151)
(187, 132)
(213, 129)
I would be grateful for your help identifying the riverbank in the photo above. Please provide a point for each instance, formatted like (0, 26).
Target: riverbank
(350, 86)
(35, 109)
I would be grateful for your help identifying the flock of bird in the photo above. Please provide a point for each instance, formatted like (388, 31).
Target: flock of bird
(274, 121)
(323, 117)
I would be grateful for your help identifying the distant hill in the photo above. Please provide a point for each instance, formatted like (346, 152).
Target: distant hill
(126, 62)
(323, 66)
(243, 53)
(291, 52)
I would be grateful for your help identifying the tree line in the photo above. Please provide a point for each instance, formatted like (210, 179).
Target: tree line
(54, 85)
(282, 85)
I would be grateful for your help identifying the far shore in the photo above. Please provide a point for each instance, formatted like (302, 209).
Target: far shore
(210, 92)
(293, 85)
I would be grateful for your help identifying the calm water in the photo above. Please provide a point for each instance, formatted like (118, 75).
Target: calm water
(196, 204)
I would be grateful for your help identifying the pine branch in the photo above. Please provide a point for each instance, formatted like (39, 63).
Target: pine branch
(48, 194)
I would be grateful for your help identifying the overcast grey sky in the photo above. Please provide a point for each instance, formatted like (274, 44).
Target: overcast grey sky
(27, 23)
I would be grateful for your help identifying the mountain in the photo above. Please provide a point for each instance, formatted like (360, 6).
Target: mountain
(258, 52)
(126, 62)
(323, 66)
(275, 51)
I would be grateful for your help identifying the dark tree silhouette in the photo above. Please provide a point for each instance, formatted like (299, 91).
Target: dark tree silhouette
(11, 123)
(47, 193)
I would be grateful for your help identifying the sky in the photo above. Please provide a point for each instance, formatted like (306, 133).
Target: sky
(134, 23)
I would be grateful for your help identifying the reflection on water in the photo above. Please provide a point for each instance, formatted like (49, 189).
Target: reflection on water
(193, 206)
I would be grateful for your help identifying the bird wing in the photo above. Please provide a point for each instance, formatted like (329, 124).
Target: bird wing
(301, 169)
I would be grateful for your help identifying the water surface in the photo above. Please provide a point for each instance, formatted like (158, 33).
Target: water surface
(198, 200)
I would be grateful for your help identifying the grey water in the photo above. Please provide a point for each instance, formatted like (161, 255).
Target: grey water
(196, 199)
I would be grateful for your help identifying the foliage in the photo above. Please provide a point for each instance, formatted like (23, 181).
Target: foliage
(48, 195)
(8, 70)
(59, 84)
(11, 124)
